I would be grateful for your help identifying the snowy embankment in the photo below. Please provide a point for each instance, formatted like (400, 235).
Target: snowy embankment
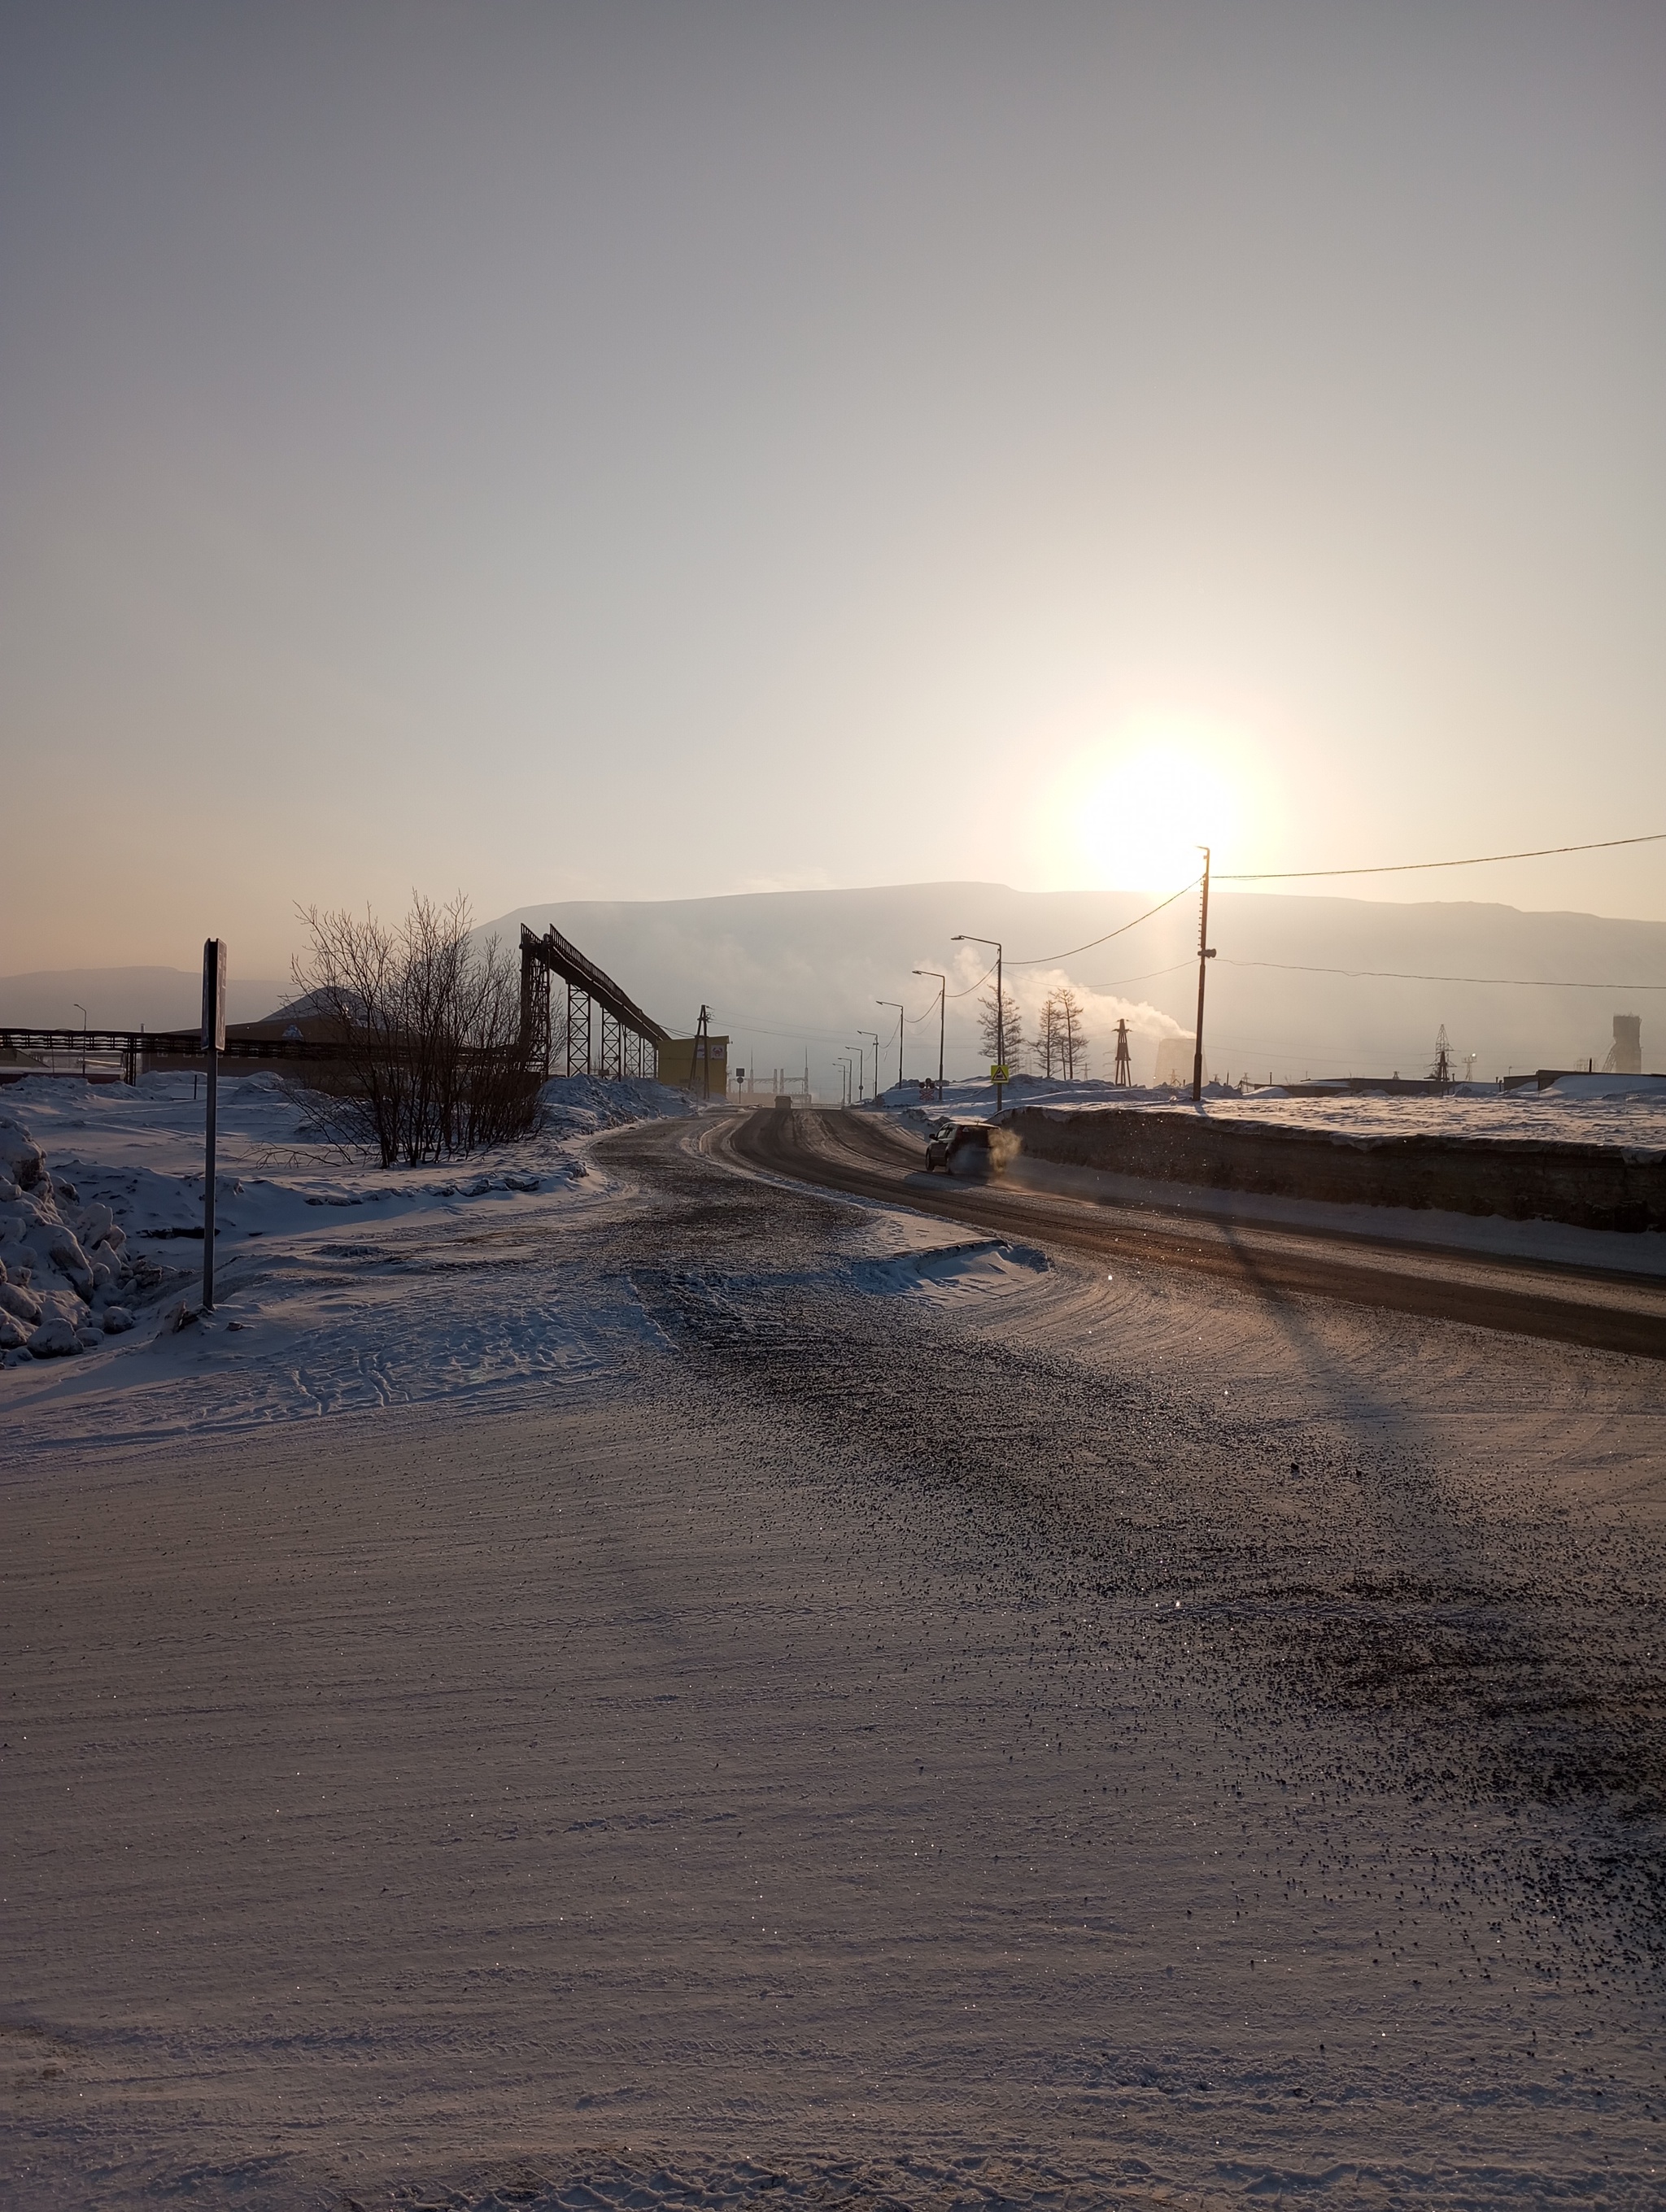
(100, 1241)
(1579, 1110)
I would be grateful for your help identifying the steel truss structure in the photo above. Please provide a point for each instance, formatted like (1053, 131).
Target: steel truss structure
(575, 1019)
(137, 1047)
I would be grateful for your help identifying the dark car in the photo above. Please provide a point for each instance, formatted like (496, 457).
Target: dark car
(962, 1148)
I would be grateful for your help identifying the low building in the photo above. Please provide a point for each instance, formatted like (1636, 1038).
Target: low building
(696, 1064)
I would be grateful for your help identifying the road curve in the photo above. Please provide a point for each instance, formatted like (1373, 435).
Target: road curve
(846, 1152)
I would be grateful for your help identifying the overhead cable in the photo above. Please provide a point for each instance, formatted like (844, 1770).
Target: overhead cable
(1401, 975)
(1149, 977)
(1048, 958)
(1410, 867)
(981, 980)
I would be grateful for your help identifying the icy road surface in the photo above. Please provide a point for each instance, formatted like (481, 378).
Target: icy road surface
(838, 1708)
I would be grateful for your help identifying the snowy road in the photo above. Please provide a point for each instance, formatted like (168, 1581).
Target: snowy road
(1613, 1299)
(896, 1721)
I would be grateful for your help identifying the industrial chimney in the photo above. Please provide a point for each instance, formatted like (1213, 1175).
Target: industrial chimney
(1628, 1044)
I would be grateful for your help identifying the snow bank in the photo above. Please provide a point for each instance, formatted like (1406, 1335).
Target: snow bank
(579, 1105)
(65, 1276)
(1628, 1112)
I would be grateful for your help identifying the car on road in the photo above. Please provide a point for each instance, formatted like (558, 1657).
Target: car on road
(961, 1148)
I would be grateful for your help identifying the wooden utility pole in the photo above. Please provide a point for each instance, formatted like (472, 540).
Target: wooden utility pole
(702, 1046)
(214, 1040)
(1205, 954)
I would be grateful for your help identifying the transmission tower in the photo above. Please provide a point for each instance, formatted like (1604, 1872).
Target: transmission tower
(1124, 1074)
(1442, 1070)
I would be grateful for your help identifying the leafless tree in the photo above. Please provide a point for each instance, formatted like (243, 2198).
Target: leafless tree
(1048, 1043)
(1001, 1026)
(1073, 1037)
(428, 1023)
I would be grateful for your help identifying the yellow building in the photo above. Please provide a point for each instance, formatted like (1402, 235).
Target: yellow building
(697, 1064)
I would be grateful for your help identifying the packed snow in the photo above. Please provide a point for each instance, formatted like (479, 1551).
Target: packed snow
(1579, 1109)
(340, 1285)
(100, 1252)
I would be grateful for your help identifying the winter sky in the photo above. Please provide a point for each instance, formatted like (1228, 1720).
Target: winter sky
(629, 451)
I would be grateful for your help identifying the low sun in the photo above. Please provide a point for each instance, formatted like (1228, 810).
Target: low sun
(1132, 816)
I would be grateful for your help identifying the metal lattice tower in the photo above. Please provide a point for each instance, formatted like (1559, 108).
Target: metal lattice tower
(599, 1032)
(1124, 1074)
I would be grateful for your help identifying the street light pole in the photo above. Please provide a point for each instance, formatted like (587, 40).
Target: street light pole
(942, 1004)
(1001, 1006)
(901, 1017)
(874, 1036)
(82, 1011)
(860, 1051)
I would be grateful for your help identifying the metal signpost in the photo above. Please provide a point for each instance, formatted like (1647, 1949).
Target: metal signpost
(214, 1044)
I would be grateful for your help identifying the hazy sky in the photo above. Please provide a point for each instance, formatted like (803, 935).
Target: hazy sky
(623, 451)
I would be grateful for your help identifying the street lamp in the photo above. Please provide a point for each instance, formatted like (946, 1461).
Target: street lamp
(900, 1018)
(82, 1011)
(942, 1002)
(873, 1035)
(1001, 1008)
(860, 1051)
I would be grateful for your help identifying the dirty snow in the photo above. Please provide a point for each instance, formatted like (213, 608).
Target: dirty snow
(1624, 1110)
(871, 1737)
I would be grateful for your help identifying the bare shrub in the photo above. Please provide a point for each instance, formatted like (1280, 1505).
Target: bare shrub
(432, 1062)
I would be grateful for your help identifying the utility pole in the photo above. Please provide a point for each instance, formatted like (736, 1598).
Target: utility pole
(1205, 954)
(900, 1018)
(860, 1070)
(82, 1011)
(942, 1002)
(214, 1038)
(1000, 1012)
(702, 1046)
(873, 1036)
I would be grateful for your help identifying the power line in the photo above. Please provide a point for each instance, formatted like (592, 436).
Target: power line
(1151, 975)
(1048, 958)
(981, 980)
(1410, 867)
(1399, 975)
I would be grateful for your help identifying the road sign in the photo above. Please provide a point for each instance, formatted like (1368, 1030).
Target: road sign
(1000, 1074)
(213, 995)
(214, 1044)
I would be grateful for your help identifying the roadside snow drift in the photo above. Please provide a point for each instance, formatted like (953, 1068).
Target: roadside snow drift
(65, 1276)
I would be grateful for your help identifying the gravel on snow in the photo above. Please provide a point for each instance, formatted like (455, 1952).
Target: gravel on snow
(881, 1729)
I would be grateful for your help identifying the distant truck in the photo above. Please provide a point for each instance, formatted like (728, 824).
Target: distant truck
(783, 1099)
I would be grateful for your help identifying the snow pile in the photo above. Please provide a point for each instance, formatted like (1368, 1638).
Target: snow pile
(579, 1105)
(65, 1278)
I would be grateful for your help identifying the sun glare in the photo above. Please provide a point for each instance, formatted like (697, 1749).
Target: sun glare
(1132, 817)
